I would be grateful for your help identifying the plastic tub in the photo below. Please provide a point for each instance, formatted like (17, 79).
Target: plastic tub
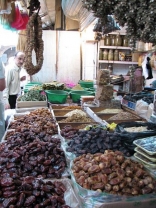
(56, 96)
(76, 95)
(34, 83)
(86, 84)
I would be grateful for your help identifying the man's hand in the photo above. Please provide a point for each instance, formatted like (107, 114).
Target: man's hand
(7, 106)
(23, 78)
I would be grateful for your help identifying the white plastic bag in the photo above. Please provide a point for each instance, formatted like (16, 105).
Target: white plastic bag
(141, 108)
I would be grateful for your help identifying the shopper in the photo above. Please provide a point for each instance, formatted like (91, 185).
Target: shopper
(153, 84)
(13, 79)
(2, 87)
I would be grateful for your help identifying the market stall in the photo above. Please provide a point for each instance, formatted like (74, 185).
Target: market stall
(76, 142)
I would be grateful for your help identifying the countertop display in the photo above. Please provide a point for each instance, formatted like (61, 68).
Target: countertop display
(73, 159)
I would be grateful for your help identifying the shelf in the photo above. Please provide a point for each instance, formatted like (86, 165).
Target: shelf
(117, 62)
(116, 47)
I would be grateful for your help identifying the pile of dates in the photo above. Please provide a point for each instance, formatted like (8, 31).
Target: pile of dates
(111, 172)
(39, 121)
(30, 192)
(96, 140)
(27, 154)
(68, 132)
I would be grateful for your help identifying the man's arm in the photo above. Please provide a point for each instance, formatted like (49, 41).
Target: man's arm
(2, 78)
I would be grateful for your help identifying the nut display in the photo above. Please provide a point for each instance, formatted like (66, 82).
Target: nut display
(123, 116)
(76, 118)
(113, 173)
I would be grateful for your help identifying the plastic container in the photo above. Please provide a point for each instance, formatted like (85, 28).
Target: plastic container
(147, 144)
(76, 95)
(86, 84)
(57, 96)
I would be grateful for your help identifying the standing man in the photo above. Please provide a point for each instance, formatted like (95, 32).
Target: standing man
(13, 78)
(2, 87)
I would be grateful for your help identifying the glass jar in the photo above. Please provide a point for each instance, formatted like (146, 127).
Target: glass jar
(116, 55)
(118, 40)
(110, 55)
(105, 54)
(113, 40)
(100, 54)
(107, 40)
(125, 41)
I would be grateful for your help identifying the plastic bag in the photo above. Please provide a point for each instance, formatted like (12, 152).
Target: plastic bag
(18, 21)
(128, 137)
(141, 108)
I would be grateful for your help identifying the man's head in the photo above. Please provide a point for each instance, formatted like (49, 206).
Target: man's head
(19, 58)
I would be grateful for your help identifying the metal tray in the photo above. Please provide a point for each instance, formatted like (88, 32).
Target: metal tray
(144, 160)
(141, 152)
(147, 144)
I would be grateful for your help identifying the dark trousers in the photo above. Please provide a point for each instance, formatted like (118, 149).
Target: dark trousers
(12, 101)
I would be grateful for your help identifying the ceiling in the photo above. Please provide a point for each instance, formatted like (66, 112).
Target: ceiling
(72, 9)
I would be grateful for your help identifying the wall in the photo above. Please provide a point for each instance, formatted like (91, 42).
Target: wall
(69, 62)
(48, 70)
(61, 57)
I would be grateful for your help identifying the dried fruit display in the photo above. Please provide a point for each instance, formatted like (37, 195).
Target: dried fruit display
(113, 173)
(34, 42)
(30, 192)
(96, 140)
(139, 17)
(39, 121)
(27, 153)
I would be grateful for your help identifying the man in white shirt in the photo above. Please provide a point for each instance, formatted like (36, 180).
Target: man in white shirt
(13, 78)
(2, 87)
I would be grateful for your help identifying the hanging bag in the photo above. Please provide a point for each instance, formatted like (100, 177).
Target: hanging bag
(18, 19)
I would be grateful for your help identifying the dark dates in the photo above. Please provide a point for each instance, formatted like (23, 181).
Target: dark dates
(29, 200)
(6, 182)
(9, 201)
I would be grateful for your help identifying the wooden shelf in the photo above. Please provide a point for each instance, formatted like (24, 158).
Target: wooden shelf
(116, 47)
(118, 62)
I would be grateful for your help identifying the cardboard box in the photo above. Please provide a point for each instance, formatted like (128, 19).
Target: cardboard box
(128, 104)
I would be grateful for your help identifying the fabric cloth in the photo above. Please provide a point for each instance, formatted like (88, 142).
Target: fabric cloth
(12, 101)
(1, 77)
(149, 68)
(12, 72)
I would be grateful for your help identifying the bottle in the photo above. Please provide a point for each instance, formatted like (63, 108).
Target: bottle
(107, 40)
(105, 54)
(100, 54)
(110, 68)
(116, 55)
(118, 40)
(110, 55)
(113, 40)
(125, 41)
